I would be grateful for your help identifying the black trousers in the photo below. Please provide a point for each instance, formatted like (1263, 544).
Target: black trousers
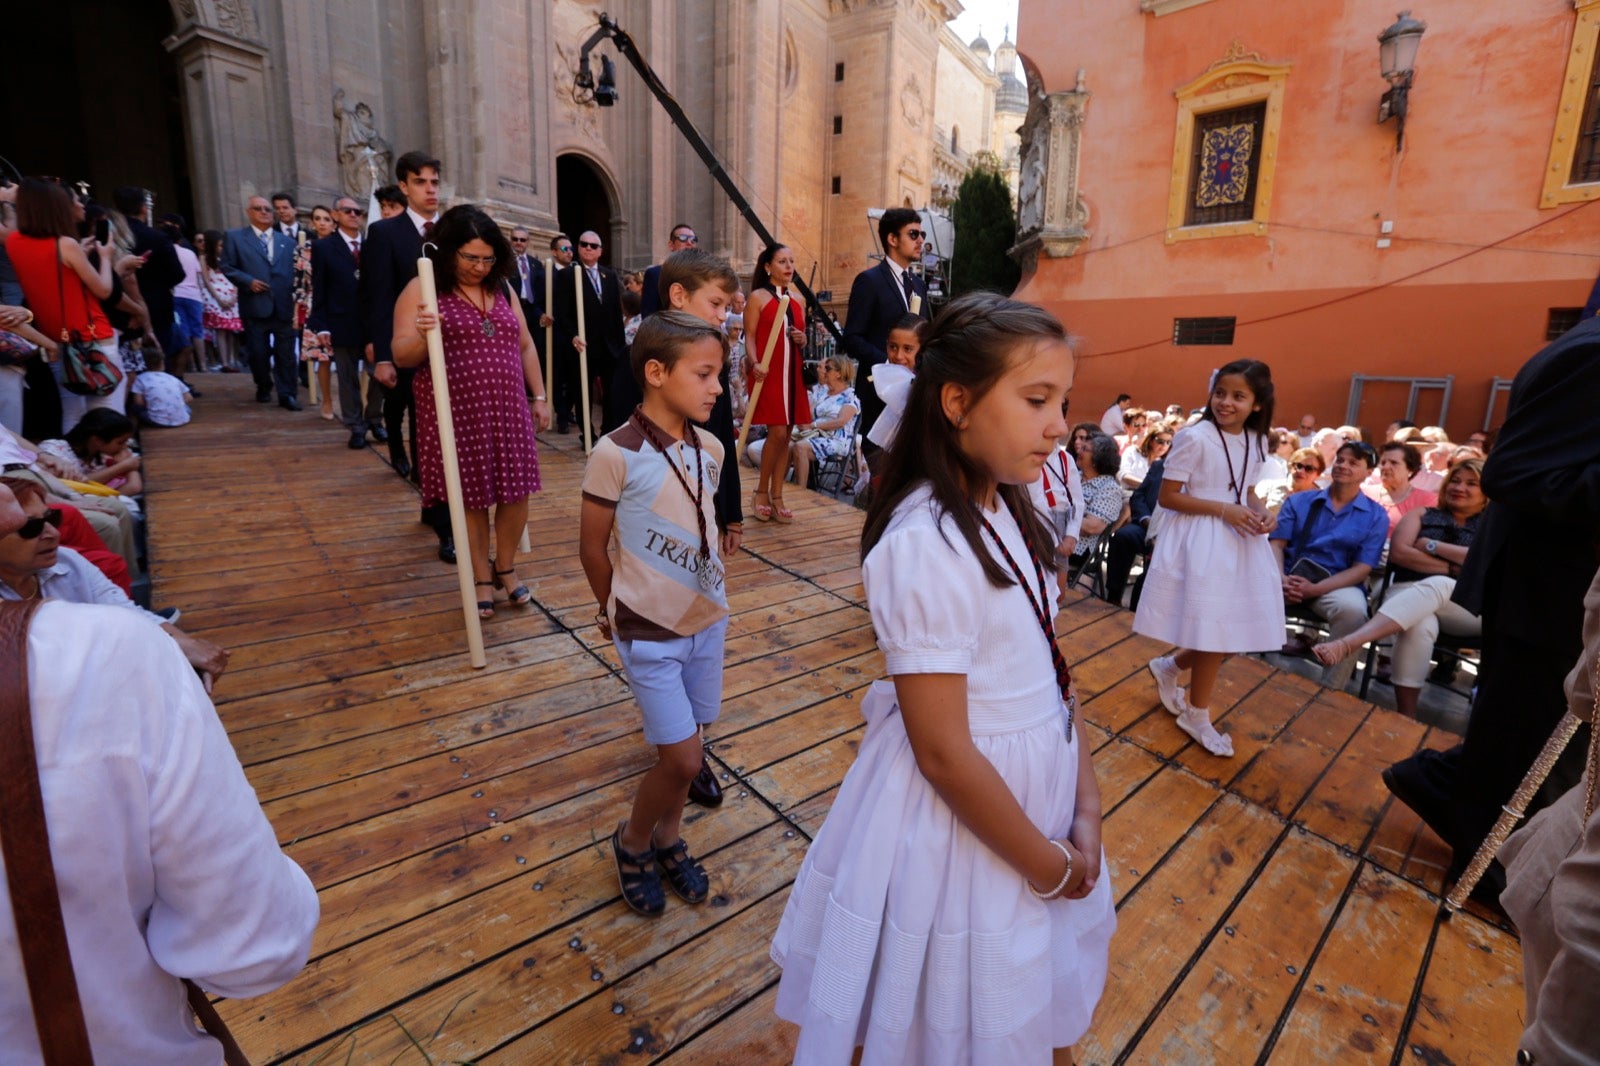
(269, 344)
(399, 402)
(1126, 544)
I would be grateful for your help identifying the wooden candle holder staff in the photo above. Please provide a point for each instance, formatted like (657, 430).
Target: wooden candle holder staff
(549, 331)
(780, 328)
(452, 471)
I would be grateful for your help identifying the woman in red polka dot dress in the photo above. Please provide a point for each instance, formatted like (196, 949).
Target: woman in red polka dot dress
(490, 364)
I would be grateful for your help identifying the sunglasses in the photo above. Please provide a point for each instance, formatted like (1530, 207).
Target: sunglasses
(349, 210)
(519, 240)
(587, 244)
(1304, 468)
(1163, 440)
(565, 249)
(687, 238)
(35, 526)
(915, 234)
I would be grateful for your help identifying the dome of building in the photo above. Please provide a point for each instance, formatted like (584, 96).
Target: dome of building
(1012, 96)
(980, 45)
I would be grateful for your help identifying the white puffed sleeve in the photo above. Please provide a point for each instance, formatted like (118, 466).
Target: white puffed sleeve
(923, 594)
(1187, 453)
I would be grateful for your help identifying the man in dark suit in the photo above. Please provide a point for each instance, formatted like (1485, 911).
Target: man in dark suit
(650, 301)
(602, 314)
(388, 263)
(284, 212)
(1127, 542)
(259, 260)
(1533, 558)
(161, 272)
(528, 277)
(879, 296)
(336, 319)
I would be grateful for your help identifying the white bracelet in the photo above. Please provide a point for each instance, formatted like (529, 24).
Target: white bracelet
(1054, 892)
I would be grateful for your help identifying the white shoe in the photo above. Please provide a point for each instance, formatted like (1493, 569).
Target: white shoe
(1197, 723)
(1166, 673)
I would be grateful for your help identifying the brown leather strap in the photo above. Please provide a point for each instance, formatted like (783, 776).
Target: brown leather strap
(31, 876)
(211, 1022)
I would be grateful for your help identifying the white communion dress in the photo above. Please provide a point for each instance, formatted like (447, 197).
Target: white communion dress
(903, 933)
(1210, 588)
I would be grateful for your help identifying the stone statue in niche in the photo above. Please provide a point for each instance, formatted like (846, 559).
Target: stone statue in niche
(365, 158)
(1030, 192)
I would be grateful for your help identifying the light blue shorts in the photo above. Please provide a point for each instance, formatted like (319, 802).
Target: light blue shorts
(677, 682)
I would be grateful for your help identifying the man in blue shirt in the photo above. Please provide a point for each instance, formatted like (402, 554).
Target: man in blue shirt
(1327, 543)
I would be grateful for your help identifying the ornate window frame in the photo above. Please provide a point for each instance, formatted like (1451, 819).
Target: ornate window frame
(1558, 189)
(1167, 7)
(1236, 79)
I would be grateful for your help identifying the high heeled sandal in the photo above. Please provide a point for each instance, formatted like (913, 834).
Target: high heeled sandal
(780, 514)
(519, 596)
(637, 877)
(683, 872)
(762, 512)
(1343, 647)
(485, 607)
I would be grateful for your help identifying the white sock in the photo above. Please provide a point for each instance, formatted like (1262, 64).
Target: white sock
(1196, 721)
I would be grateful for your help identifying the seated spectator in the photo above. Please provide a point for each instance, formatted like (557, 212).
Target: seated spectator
(109, 516)
(1136, 461)
(1135, 424)
(1392, 431)
(1327, 442)
(1280, 446)
(1351, 434)
(1426, 555)
(1305, 467)
(1134, 537)
(164, 865)
(1102, 497)
(1175, 415)
(1111, 422)
(1059, 494)
(1327, 543)
(1480, 439)
(96, 450)
(159, 398)
(33, 564)
(1307, 433)
(1397, 465)
(1078, 440)
(834, 408)
(1434, 435)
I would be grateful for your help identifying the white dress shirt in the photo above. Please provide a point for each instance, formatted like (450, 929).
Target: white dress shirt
(76, 580)
(899, 273)
(420, 220)
(167, 866)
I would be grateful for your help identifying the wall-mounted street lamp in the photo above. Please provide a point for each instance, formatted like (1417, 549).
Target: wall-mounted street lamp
(1397, 57)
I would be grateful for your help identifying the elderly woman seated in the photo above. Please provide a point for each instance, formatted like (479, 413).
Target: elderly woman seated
(34, 565)
(1425, 555)
(834, 408)
(1305, 468)
(1103, 503)
(1136, 462)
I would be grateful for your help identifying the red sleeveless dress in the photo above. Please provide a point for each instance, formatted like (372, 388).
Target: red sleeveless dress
(783, 398)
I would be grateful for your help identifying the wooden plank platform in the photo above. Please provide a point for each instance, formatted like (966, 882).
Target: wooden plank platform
(1275, 907)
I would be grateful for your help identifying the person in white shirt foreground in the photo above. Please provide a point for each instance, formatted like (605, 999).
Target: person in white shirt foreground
(166, 865)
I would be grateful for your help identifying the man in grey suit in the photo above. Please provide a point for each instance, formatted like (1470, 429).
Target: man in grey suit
(259, 259)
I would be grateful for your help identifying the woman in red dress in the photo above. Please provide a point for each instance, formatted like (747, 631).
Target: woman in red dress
(783, 403)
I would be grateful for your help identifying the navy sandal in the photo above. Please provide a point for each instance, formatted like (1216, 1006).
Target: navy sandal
(683, 872)
(637, 877)
(520, 596)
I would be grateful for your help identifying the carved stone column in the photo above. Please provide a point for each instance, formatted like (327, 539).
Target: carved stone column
(229, 106)
(1051, 215)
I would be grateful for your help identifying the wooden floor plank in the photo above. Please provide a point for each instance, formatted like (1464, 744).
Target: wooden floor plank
(1470, 1009)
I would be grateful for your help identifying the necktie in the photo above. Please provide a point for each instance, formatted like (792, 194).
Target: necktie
(522, 268)
(355, 250)
(266, 245)
(427, 230)
(594, 279)
(905, 280)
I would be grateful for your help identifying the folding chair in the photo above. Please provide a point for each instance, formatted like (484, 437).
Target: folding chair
(1447, 647)
(836, 475)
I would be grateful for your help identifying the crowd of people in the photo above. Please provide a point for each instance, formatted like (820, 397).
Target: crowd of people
(965, 840)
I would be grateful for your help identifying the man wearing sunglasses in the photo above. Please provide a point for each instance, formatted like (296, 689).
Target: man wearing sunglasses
(336, 319)
(682, 236)
(33, 564)
(879, 297)
(602, 322)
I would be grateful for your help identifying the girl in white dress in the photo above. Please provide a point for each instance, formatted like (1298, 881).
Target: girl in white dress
(1213, 587)
(953, 907)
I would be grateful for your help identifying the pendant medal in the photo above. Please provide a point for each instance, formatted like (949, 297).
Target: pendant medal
(706, 577)
(488, 327)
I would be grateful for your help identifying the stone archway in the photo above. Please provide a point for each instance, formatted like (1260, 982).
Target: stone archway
(586, 199)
